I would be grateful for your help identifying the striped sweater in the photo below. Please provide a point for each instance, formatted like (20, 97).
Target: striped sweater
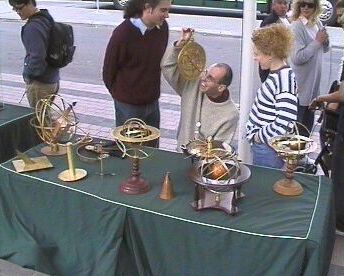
(274, 107)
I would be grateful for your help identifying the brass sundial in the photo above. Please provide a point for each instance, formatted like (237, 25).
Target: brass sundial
(191, 60)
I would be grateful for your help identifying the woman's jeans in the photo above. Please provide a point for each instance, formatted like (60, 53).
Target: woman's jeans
(265, 156)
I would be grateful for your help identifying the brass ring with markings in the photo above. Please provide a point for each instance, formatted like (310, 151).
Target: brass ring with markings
(191, 60)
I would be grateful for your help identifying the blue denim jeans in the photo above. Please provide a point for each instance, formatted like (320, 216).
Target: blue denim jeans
(149, 113)
(265, 156)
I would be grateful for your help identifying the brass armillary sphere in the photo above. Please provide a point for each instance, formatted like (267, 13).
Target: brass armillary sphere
(291, 148)
(134, 133)
(56, 124)
(191, 60)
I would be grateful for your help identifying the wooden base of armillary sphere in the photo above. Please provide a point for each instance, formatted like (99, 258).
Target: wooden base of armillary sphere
(54, 150)
(135, 185)
(288, 186)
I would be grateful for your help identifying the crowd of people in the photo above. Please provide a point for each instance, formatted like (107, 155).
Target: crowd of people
(289, 52)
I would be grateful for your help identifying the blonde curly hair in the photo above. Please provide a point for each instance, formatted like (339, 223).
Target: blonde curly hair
(297, 11)
(275, 40)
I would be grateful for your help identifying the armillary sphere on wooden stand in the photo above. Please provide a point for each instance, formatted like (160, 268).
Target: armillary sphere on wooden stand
(291, 148)
(134, 133)
(191, 60)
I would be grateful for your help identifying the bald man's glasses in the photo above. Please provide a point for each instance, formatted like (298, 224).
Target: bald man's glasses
(208, 78)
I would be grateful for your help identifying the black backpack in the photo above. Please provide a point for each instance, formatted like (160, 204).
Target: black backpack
(61, 43)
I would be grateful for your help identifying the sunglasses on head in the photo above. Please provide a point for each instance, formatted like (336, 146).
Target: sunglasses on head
(309, 5)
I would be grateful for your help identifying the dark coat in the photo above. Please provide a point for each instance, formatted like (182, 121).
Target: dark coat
(35, 37)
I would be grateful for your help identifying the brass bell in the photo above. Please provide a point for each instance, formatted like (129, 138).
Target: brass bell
(166, 192)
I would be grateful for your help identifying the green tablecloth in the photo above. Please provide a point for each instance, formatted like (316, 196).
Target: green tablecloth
(15, 131)
(90, 228)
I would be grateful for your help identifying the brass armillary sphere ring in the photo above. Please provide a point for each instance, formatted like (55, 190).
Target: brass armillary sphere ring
(133, 134)
(191, 60)
(135, 131)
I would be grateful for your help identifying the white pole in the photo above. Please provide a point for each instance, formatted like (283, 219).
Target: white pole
(97, 4)
(247, 92)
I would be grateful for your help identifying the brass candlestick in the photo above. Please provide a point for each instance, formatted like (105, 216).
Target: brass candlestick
(72, 174)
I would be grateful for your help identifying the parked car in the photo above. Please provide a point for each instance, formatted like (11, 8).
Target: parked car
(328, 16)
(221, 4)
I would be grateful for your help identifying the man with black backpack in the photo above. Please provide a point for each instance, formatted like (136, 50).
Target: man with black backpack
(41, 78)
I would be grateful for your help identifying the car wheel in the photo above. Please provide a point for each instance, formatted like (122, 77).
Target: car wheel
(328, 15)
(120, 4)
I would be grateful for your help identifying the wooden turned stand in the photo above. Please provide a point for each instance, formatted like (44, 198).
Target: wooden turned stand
(288, 186)
(135, 185)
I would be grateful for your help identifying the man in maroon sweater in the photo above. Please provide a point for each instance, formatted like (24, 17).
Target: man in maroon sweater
(131, 70)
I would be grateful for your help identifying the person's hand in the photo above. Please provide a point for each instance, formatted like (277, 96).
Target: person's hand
(257, 139)
(315, 104)
(185, 36)
(322, 36)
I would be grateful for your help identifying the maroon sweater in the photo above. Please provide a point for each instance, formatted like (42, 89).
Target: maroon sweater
(131, 70)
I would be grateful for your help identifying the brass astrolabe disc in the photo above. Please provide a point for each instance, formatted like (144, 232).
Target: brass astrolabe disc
(191, 60)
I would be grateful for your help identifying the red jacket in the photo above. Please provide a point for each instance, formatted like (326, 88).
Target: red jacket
(131, 70)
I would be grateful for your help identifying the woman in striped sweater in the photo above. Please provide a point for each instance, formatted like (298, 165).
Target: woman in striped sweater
(275, 106)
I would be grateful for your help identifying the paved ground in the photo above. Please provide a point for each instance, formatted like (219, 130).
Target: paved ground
(98, 120)
(95, 111)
